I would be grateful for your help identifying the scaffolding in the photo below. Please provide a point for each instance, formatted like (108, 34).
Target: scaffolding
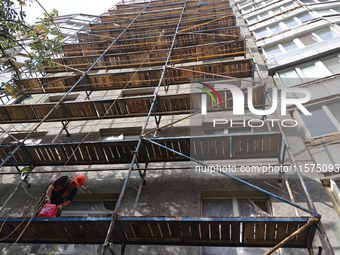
(153, 44)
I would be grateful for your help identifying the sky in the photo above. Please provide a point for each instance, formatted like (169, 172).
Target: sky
(64, 7)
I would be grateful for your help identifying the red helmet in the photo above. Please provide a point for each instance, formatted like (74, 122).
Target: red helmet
(80, 179)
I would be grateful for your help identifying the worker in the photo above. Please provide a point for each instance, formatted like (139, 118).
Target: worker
(63, 190)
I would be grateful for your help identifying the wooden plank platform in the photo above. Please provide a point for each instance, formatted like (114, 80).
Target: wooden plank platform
(147, 44)
(219, 147)
(258, 232)
(124, 60)
(156, 9)
(122, 107)
(157, 57)
(226, 19)
(169, 18)
(145, 77)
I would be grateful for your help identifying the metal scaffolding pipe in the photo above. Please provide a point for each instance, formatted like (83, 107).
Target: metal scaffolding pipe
(217, 75)
(288, 238)
(114, 214)
(140, 141)
(112, 224)
(237, 179)
(70, 90)
(113, 221)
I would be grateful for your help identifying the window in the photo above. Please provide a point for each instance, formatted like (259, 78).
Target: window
(325, 119)
(261, 33)
(333, 64)
(309, 39)
(277, 11)
(319, 69)
(253, 20)
(286, 7)
(113, 134)
(235, 207)
(326, 33)
(301, 42)
(291, 23)
(290, 78)
(319, 123)
(315, 1)
(304, 17)
(311, 72)
(309, 1)
(289, 46)
(326, 12)
(286, 24)
(268, 2)
(263, 4)
(137, 92)
(35, 138)
(267, 14)
(84, 205)
(280, 49)
(338, 184)
(273, 51)
(246, 10)
(275, 29)
(111, 137)
(244, 3)
(71, 97)
(334, 109)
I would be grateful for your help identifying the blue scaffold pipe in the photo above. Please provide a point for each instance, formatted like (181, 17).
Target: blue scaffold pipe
(239, 180)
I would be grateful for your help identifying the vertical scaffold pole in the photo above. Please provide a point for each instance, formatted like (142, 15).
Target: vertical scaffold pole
(114, 216)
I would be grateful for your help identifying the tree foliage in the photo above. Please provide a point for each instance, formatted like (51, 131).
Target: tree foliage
(36, 41)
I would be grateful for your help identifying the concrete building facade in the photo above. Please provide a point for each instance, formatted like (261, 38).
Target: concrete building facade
(124, 107)
(302, 51)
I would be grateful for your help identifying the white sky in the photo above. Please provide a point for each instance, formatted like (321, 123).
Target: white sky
(94, 7)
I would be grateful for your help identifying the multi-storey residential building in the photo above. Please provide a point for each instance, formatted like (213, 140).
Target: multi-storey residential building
(146, 102)
(299, 41)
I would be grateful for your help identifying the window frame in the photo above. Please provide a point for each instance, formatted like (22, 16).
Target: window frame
(21, 136)
(282, 24)
(318, 64)
(279, 9)
(234, 195)
(335, 188)
(137, 92)
(236, 205)
(328, 113)
(126, 132)
(320, 67)
(300, 45)
(68, 98)
(112, 197)
(330, 9)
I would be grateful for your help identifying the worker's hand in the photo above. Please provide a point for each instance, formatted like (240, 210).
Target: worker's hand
(47, 200)
(60, 207)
